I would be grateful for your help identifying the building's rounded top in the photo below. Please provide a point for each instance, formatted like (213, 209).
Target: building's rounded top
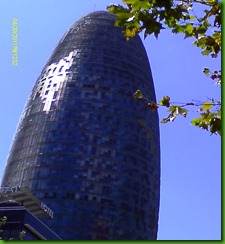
(83, 29)
(98, 18)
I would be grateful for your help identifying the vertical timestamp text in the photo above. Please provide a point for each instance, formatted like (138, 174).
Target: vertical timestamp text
(14, 42)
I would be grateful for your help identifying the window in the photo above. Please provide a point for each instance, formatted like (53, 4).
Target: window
(60, 70)
(55, 94)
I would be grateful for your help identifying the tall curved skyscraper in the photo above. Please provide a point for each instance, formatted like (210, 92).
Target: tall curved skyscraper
(84, 145)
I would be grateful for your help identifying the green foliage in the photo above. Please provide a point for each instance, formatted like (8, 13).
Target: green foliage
(215, 75)
(174, 112)
(138, 94)
(210, 112)
(22, 234)
(206, 106)
(209, 121)
(165, 101)
(3, 221)
(152, 16)
(206, 71)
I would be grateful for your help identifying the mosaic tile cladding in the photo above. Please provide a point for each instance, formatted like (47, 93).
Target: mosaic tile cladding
(84, 145)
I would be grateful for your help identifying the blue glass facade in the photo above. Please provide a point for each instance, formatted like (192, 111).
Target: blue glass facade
(84, 145)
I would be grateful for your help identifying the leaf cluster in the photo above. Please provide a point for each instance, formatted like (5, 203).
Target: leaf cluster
(174, 112)
(209, 120)
(210, 112)
(214, 75)
(146, 15)
(3, 222)
(152, 16)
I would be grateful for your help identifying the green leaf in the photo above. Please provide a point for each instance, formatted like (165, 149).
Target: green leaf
(165, 101)
(129, 1)
(182, 111)
(137, 4)
(195, 121)
(215, 126)
(138, 94)
(189, 29)
(122, 13)
(178, 29)
(174, 112)
(206, 106)
(131, 32)
(205, 52)
(170, 118)
(201, 29)
(219, 114)
(157, 28)
(208, 121)
(145, 5)
(210, 1)
(206, 71)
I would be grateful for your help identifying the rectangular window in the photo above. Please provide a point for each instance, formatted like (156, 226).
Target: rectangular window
(55, 94)
(60, 70)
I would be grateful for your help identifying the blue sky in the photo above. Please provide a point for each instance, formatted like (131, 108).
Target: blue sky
(190, 158)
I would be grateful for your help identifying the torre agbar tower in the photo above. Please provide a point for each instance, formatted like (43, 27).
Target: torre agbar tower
(84, 145)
